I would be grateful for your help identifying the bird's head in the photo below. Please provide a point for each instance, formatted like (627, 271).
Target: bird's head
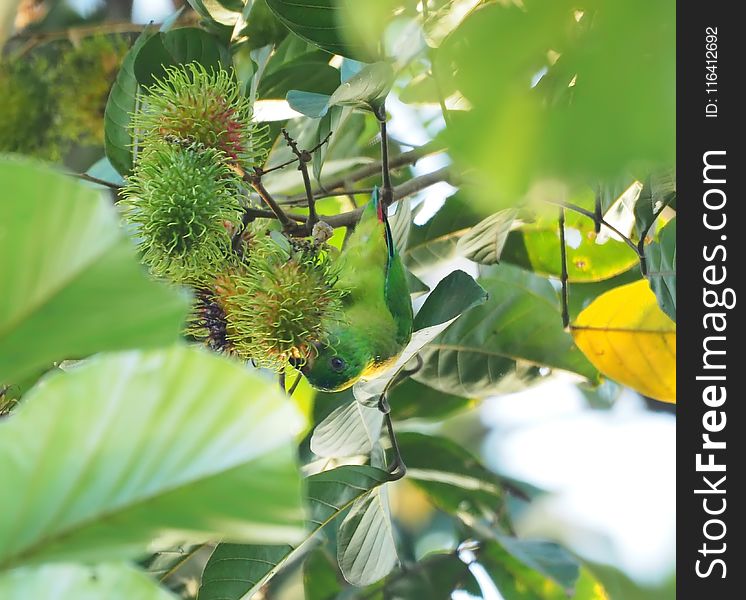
(334, 367)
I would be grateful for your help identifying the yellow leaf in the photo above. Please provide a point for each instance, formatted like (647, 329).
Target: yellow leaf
(631, 340)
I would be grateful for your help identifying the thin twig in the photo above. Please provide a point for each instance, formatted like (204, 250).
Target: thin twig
(406, 158)
(256, 183)
(590, 215)
(304, 157)
(564, 276)
(387, 192)
(97, 181)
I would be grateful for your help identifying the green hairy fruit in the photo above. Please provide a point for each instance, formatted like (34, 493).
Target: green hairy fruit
(205, 107)
(183, 203)
(279, 304)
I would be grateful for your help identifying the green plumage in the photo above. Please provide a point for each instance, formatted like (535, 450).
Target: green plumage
(377, 321)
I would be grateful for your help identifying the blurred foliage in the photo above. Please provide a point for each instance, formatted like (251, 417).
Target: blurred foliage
(537, 107)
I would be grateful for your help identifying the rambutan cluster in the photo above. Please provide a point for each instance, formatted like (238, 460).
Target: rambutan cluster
(276, 305)
(260, 296)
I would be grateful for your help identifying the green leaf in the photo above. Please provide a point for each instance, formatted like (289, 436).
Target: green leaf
(349, 430)
(308, 103)
(319, 22)
(167, 565)
(110, 581)
(412, 400)
(121, 104)
(435, 577)
(233, 569)
(221, 12)
(263, 28)
(520, 322)
(485, 241)
(548, 558)
(452, 477)
(661, 261)
(435, 242)
(72, 284)
(128, 448)
(455, 294)
(523, 575)
(366, 89)
(177, 47)
(658, 191)
(536, 246)
(366, 550)
(310, 71)
(320, 581)
(329, 494)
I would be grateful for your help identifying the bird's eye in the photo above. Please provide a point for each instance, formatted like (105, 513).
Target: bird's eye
(337, 364)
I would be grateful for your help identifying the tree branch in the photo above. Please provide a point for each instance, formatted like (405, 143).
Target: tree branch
(406, 158)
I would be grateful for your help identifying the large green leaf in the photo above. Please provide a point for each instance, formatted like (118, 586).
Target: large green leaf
(310, 72)
(366, 550)
(122, 103)
(72, 284)
(235, 571)
(536, 245)
(661, 259)
(176, 47)
(320, 579)
(319, 22)
(435, 577)
(134, 447)
(519, 322)
(449, 474)
(110, 581)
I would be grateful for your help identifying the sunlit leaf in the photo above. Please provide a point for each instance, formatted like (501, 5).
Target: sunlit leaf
(137, 447)
(349, 430)
(72, 284)
(629, 339)
(110, 581)
(366, 550)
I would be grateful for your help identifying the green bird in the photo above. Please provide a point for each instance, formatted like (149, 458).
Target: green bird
(377, 322)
